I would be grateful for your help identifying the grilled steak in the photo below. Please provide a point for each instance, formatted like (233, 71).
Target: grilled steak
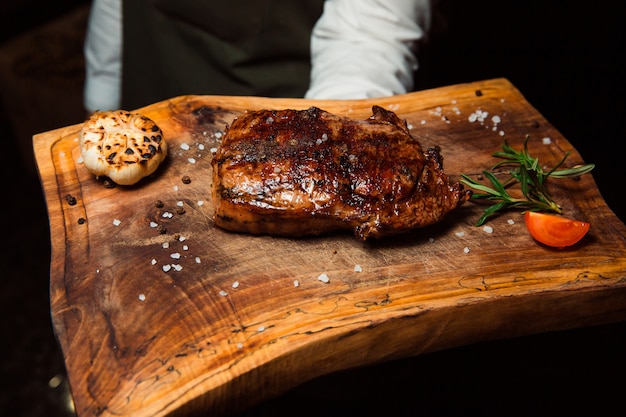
(308, 172)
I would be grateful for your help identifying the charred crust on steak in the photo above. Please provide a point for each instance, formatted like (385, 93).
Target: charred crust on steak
(309, 172)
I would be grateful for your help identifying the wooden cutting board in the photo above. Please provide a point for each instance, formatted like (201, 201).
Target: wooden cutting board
(185, 317)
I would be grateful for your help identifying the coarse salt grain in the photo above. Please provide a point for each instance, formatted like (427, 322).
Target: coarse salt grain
(167, 215)
(182, 238)
(460, 234)
(142, 297)
(175, 255)
(296, 283)
(79, 160)
(184, 146)
(496, 119)
(198, 259)
(431, 239)
(167, 267)
(488, 229)
(180, 203)
(153, 224)
(153, 261)
(177, 267)
(176, 188)
(510, 221)
(261, 329)
(477, 116)
(213, 150)
(466, 249)
(165, 245)
(324, 278)
(116, 222)
(358, 268)
(239, 345)
(546, 141)
(223, 293)
(201, 147)
(235, 284)
(200, 202)
(191, 160)
(185, 247)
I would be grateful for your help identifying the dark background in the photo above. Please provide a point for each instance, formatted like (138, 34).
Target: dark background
(566, 60)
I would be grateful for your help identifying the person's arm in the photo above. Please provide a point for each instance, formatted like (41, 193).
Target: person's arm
(366, 48)
(103, 56)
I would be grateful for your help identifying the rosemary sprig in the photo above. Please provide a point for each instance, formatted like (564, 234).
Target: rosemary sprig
(524, 170)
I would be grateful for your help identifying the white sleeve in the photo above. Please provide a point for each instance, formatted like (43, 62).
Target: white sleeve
(103, 56)
(366, 48)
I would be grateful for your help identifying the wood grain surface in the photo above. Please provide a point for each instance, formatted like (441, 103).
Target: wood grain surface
(184, 317)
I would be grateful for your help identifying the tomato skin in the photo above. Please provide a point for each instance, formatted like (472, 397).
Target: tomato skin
(553, 230)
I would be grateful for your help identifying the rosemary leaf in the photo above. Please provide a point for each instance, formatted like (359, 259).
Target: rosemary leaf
(572, 172)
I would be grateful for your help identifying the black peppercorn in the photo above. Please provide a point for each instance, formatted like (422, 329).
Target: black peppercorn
(71, 200)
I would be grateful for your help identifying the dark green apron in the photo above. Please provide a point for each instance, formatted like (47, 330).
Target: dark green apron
(234, 47)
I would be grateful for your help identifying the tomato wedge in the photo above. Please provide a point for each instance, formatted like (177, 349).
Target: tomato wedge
(553, 230)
